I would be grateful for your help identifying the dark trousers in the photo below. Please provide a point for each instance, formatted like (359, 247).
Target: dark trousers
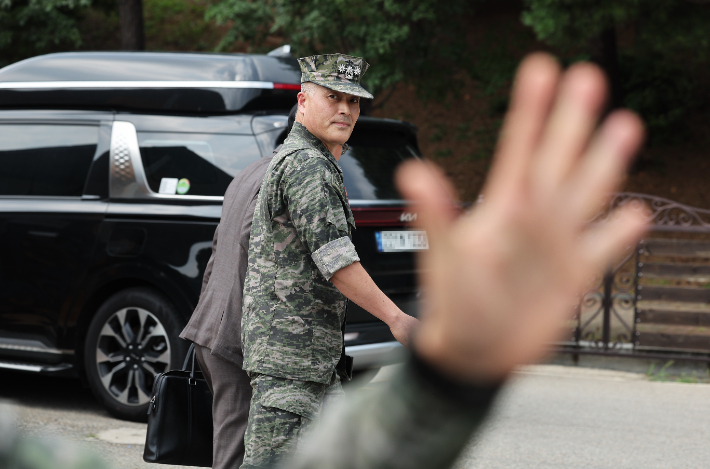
(231, 394)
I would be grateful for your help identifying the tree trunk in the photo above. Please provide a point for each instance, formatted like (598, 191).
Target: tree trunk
(130, 13)
(604, 53)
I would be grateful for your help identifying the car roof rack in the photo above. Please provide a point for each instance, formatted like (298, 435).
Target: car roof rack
(153, 81)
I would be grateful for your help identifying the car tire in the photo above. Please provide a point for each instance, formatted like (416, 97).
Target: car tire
(132, 338)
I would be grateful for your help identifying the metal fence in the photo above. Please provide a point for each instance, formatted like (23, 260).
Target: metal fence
(655, 302)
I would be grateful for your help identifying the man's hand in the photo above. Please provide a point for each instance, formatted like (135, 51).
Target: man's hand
(357, 285)
(500, 281)
(403, 328)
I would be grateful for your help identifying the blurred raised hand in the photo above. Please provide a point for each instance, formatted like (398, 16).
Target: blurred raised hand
(500, 281)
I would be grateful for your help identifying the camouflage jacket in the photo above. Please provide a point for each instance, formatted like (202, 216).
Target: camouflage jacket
(418, 420)
(292, 315)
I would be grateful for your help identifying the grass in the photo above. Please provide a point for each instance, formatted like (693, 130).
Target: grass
(675, 282)
(664, 376)
(660, 375)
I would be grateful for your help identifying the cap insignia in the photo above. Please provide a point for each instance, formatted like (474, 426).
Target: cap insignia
(349, 71)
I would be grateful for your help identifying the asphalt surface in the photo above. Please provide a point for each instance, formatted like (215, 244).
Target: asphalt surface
(59, 407)
(559, 417)
(548, 417)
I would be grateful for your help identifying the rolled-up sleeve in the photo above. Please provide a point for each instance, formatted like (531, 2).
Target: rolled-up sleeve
(334, 256)
(316, 208)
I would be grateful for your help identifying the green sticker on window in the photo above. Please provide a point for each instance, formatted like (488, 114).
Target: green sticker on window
(183, 186)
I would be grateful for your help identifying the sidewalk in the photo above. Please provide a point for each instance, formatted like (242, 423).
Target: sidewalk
(657, 370)
(603, 367)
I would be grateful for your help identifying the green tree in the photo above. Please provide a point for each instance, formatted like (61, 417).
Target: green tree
(655, 70)
(31, 27)
(410, 41)
(668, 27)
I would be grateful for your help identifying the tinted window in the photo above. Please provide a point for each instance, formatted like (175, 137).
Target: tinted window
(48, 160)
(194, 164)
(369, 164)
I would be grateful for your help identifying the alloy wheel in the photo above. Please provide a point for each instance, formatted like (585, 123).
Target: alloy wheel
(131, 349)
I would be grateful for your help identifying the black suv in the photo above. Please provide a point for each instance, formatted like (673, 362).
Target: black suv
(112, 172)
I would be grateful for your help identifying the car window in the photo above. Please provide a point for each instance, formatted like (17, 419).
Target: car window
(369, 165)
(46, 160)
(192, 163)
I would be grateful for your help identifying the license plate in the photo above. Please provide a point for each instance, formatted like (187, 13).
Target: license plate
(401, 241)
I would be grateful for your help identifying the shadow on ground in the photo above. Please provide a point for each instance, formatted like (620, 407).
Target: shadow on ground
(35, 390)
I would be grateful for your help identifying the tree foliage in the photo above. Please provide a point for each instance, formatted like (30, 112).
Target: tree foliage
(30, 27)
(410, 41)
(573, 23)
(667, 27)
(667, 42)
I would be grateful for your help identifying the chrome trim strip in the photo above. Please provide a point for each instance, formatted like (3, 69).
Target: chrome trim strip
(156, 209)
(40, 85)
(44, 204)
(396, 203)
(374, 355)
(216, 198)
(17, 366)
(30, 348)
(37, 368)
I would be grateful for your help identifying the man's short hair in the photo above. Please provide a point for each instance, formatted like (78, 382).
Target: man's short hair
(308, 87)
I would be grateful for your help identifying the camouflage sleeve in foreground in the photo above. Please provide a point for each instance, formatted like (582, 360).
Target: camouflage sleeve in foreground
(17, 452)
(420, 421)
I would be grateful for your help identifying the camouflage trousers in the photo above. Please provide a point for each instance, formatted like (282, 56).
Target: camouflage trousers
(280, 413)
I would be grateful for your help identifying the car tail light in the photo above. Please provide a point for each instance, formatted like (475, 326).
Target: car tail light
(388, 216)
(382, 216)
(286, 86)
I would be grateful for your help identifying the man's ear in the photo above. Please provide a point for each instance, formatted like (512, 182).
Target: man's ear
(302, 98)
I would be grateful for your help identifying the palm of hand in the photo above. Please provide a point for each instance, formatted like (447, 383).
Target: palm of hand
(500, 281)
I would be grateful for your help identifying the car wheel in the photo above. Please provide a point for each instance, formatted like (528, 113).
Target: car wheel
(132, 338)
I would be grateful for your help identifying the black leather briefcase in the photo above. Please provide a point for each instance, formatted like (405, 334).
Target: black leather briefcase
(180, 418)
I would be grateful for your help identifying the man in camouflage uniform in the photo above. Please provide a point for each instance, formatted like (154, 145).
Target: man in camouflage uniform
(499, 281)
(303, 265)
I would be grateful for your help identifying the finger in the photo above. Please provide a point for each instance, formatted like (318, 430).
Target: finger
(431, 195)
(531, 99)
(602, 169)
(604, 243)
(572, 121)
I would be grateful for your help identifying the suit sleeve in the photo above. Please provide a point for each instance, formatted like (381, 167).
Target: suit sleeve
(315, 205)
(420, 421)
(210, 263)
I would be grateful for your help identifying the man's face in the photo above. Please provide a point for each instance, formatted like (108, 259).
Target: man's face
(329, 115)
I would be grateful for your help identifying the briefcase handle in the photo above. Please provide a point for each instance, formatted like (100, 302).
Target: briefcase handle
(190, 356)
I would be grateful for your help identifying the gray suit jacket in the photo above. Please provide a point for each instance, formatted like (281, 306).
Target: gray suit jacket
(217, 320)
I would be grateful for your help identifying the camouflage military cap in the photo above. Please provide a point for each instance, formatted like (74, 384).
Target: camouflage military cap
(337, 72)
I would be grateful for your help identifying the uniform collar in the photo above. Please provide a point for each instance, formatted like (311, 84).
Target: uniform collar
(299, 133)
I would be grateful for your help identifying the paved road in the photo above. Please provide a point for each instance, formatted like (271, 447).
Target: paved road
(556, 417)
(549, 417)
(63, 408)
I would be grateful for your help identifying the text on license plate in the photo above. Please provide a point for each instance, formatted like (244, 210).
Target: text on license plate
(401, 241)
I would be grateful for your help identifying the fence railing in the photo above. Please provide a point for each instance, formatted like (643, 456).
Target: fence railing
(654, 302)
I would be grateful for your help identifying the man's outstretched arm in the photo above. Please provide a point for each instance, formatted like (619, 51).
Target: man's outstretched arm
(357, 285)
(501, 280)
